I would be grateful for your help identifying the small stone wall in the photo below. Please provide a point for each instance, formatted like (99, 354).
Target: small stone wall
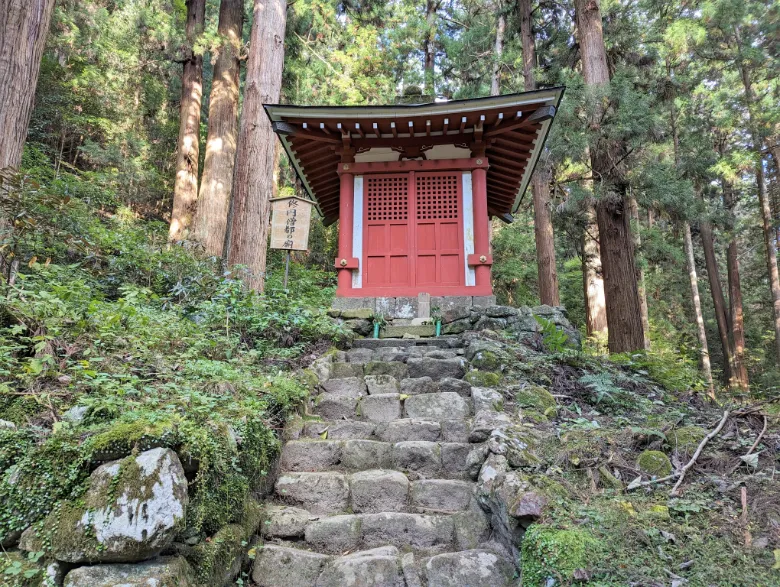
(407, 307)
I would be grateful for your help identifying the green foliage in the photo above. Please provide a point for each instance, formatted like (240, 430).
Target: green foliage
(555, 340)
(565, 554)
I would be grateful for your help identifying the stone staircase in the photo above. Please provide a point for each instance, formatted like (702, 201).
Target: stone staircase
(378, 491)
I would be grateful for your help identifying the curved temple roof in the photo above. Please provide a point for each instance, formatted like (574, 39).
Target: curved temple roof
(511, 129)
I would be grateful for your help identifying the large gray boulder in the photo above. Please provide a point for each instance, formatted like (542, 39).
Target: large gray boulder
(162, 572)
(475, 568)
(437, 369)
(131, 511)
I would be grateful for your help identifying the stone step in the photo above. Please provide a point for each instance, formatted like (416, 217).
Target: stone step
(385, 566)
(394, 431)
(386, 407)
(425, 458)
(447, 341)
(399, 331)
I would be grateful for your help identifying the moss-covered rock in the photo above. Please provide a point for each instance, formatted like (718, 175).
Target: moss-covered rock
(483, 378)
(536, 397)
(686, 438)
(131, 511)
(218, 561)
(654, 463)
(562, 554)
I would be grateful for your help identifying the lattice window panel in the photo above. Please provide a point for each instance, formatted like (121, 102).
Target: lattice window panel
(387, 198)
(437, 197)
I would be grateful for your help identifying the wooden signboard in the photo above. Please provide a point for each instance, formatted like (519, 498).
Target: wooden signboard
(290, 219)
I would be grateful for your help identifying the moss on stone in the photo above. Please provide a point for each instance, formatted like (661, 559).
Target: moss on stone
(216, 560)
(608, 480)
(654, 463)
(535, 396)
(686, 438)
(552, 552)
(483, 378)
(487, 360)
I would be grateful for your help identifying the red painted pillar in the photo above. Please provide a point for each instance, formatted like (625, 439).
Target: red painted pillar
(344, 263)
(481, 223)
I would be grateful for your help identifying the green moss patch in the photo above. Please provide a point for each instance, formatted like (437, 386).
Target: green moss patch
(536, 397)
(483, 378)
(562, 554)
(654, 463)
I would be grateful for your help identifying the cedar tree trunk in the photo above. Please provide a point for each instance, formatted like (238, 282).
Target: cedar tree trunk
(702, 332)
(592, 276)
(540, 182)
(247, 235)
(495, 80)
(185, 189)
(739, 376)
(217, 180)
(624, 317)
(640, 273)
(23, 28)
(429, 48)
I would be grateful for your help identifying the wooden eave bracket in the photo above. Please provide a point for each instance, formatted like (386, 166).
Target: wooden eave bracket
(537, 117)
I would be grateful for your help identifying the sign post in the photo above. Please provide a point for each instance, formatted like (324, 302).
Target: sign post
(290, 219)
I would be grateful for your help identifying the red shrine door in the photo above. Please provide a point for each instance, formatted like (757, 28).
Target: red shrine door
(413, 232)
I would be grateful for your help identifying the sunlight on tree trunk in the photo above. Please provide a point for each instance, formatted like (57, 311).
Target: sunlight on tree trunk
(24, 25)
(217, 182)
(739, 375)
(540, 183)
(640, 272)
(701, 331)
(498, 50)
(185, 190)
(247, 236)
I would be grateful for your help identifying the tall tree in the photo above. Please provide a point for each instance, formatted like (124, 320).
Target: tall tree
(429, 47)
(23, 28)
(543, 228)
(247, 234)
(185, 189)
(640, 272)
(217, 181)
(739, 374)
(607, 153)
(498, 50)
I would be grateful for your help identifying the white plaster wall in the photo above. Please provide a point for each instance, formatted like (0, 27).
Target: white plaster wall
(468, 228)
(357, 233)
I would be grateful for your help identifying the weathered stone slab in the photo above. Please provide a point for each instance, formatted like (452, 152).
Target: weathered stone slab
(339, 430)
(418, 385)
(437, 406)
(335, 534)
(476, 568)
(310, 455)
(437, 369)
(352, 303)
(284, 522)
(410, 429)
(345, 386)
(340, 370)
(441, 354)
(488, 399)
(378, 491)
(389, 354)
(381, 408)
(335, 407)
(454, 457)
(278, 566)
(359, 455)
(441, 494)
(379, 384)
(407, 530)
(455, 430)
(360, 356)
(162, 571)
(392, 368)
(319, 493)
(368, 568)
(485, 422)
(418, 456)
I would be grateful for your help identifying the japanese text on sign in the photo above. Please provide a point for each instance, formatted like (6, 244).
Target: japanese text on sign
(290, 219)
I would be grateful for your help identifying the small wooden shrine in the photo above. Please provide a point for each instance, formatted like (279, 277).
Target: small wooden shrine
(414, 186)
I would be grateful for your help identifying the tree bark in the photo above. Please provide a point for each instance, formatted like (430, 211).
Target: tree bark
(718, 299)
(185, 189)
(593, 278)
(706, 368)
(640, 274)
(766, 210)
(739, 376)
(24, 25)
(217, 181)
(540, 182)
(495, 80)
(247, 236)
(624, 320)
(429, 48)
